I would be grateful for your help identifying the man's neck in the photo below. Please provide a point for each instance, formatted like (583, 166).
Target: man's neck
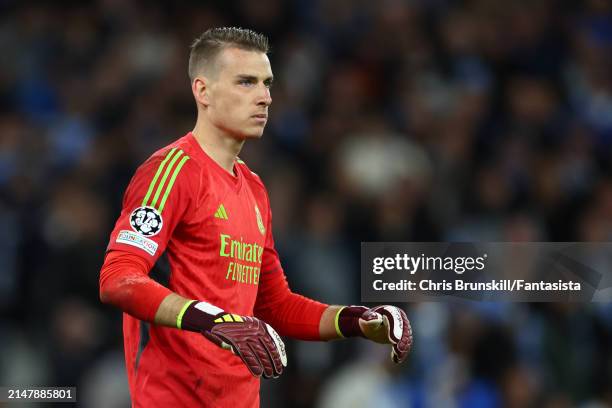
(220, 147)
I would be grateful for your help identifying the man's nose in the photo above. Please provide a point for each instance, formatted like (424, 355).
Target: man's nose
(265, 98)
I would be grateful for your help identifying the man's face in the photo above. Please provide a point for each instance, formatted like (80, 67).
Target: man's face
(239, 93)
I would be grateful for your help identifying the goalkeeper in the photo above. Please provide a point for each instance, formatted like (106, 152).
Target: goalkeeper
(193, 250)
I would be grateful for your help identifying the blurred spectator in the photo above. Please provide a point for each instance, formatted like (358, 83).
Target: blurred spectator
(393, 120)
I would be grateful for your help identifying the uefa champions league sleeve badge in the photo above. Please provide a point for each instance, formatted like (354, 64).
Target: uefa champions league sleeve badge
(146, 221)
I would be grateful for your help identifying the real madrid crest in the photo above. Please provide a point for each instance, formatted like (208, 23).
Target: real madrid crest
(260, 223)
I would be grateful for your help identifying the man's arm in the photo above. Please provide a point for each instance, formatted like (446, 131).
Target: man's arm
(381, 324)
(327, 326)
(293, 315)
(124, 283)
(169, 309)
(296, 316)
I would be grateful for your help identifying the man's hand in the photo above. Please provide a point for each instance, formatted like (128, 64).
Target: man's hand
(388, 325)
(382, 324)
(254, 341)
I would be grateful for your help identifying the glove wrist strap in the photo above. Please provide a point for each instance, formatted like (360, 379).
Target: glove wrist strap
(197, 316)
(347, 321)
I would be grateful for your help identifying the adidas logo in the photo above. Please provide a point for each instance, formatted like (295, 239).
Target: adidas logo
(221, 213)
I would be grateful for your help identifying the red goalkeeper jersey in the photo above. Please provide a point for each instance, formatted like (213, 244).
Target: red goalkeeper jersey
(206, 234)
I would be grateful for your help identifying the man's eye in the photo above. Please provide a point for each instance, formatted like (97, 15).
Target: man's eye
(245, 82)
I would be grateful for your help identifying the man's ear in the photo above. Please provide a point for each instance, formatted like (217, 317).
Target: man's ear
(201, 88)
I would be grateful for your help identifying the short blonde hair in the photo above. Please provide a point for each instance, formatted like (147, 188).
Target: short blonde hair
(207, 46)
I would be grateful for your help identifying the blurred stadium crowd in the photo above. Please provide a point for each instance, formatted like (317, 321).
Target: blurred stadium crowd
(426, 120)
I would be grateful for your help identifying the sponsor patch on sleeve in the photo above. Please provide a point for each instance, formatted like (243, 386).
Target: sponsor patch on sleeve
(133, 239)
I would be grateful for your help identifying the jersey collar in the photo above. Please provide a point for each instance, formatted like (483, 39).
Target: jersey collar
(234, 180)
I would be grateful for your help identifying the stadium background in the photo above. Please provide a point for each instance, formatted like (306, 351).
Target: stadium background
(392, 120)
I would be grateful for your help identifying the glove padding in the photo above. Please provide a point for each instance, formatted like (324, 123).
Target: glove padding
(255, 342)
(388, 324)
(382, 324)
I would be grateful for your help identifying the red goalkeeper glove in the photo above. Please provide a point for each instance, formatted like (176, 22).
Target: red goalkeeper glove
(253, 340)
(382, 324)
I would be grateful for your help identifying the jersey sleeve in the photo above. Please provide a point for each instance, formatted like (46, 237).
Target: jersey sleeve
(270, 261)
(157, 198)
(289, 313)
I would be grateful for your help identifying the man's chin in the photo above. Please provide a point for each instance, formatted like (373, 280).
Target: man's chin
(254, 134)
(247, 134)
